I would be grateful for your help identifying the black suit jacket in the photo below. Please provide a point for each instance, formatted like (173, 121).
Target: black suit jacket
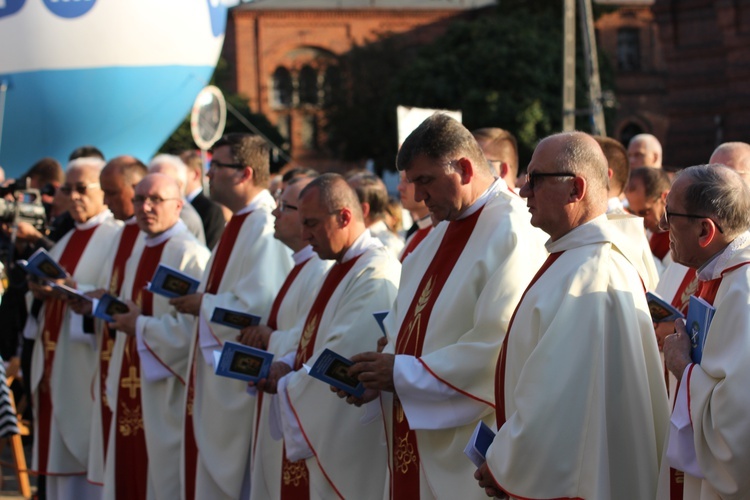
(212, 217)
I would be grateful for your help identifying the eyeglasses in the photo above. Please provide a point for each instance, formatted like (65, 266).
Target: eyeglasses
(668, 214)
(217, 164)
(285, 207)
(67, 189)
(154, 201)
(534, 177)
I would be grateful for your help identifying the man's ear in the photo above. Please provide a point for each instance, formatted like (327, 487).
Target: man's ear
(610, 173)
(465, 169)
(345, 217)
(248, 173)
(504, 169)
(578, 189)
(365, 209)
(709, 232)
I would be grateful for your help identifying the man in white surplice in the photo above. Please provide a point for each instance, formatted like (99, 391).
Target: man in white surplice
(708, 215)
(64, 359)
(329, 451)
(279, 335)
(163, 342)
(246, 270)
(580, 397)
(456, 296)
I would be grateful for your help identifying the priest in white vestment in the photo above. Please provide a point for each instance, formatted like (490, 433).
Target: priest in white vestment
(331, 449)
(64, 359)
(153, 340)
(708, 215)
(456, 296)
(581, 403)
(118, 179)
(246, 270)
(279, 335)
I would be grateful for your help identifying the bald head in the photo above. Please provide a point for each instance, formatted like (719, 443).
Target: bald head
(644, 150)
(118, 179)
(334, 193)
(735, 155)
(158, 202)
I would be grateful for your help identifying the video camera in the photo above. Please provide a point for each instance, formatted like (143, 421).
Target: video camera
(20, 203)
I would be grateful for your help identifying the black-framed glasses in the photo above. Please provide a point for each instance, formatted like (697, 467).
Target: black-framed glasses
(67, 189)
(668, 214)
(534, 177)
(217, 164)
(286, 207)
(154, 201)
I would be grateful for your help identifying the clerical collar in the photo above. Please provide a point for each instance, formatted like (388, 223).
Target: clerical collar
(491, 192)
(424, 222)
(362, 244)
(257, 202)
(192, 194)
(152, 241)
(302, 255)
(95, 220)
(716, 265)
(132, 220)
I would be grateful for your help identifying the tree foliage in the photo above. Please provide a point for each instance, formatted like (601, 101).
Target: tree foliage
(502, 68)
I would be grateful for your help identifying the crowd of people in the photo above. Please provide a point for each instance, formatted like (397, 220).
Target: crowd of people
(517, 301)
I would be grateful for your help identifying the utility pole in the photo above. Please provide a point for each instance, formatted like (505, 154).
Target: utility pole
(595, 110)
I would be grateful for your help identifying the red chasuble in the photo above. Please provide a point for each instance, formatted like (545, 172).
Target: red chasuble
(415, 240)
(221, 257)
(295, 478)
(131, 458)
(659, 243)
(127, 241)
(272, 324)
(54, 314)
(405, 482)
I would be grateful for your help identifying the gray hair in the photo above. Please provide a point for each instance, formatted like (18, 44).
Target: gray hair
(87, 162)
(178, 167)
(718, 192)
(334, 193)
(581, 154)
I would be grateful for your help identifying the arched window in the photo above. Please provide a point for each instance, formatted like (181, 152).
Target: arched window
(308, 85)
(282, 87)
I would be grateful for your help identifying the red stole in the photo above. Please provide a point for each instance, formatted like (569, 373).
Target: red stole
(295, 478)
(54, 315)
(272, 324)
(127, 241)
(500, 415)
(415, 240)
(659, 243)
(411, 335)
(222, 252)
(131, 458)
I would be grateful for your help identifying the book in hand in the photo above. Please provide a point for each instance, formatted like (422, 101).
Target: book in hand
(661, 310)
(42, 265)
(699, 316)
(69, 292)
(332, 369)
(109, 305)
(172, 283)
(242, 362)
(479, 443)
(380, 318)
(234, 319)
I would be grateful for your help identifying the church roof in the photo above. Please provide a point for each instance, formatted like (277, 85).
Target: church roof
(362, 4)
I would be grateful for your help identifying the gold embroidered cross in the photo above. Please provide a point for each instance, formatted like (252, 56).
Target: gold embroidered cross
(132, 382)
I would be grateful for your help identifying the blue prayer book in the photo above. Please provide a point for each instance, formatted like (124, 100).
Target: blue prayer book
(109, 305)
(234, 319)
(42, 265)
(479, 443)
(242, 362)
(172, 283)
(661, 310)
(332, 369)
(699, 316)
(380, 318)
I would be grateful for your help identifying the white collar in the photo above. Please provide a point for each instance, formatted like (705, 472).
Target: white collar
(152, 241)
(192, 194)
(614, 203)
(363, 243)
(131, 221)
(716, 265)
(424, 222)
(256, 202)
(95, 220)
(302, 255)
(489, 193)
